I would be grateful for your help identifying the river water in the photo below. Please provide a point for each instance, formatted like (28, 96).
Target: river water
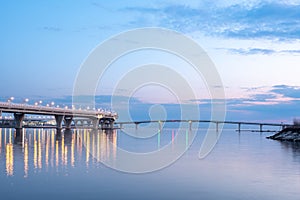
(43, 164)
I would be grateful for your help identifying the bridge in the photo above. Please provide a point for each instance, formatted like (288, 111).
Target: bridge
(238, 123)
(98, 117)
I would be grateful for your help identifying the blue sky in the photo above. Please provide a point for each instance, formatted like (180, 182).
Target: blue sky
(255, 46)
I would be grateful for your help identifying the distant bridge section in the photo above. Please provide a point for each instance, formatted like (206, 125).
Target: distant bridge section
(239, 123)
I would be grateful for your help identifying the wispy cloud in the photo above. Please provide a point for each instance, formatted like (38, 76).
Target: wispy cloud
(263, 19)
(255, 51)
(52, 28)
(287, 91)
(252, 51)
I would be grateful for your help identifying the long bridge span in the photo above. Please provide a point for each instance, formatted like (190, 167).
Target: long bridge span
(98, 117)
(217, 122)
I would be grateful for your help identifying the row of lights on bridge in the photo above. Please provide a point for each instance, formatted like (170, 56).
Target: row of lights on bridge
(36, 103)
(51, 104)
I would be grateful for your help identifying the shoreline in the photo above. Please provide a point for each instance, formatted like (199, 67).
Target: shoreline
(288, 134)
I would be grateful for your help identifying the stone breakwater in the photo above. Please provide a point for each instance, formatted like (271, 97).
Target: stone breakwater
(287, 134)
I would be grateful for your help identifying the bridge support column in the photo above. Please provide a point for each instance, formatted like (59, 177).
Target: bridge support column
(111, 124)
(121, 126)
(59, 119)
(68, 121)
(260, 128)
(58, 134)
(217, 126)
(239, 127)
(19, 117)
(136, 125)
(95, 123)
(190, 125)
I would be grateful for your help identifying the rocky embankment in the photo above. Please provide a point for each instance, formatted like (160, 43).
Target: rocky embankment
(287, 134)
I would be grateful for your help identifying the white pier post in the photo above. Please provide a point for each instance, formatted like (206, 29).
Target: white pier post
(190, 125)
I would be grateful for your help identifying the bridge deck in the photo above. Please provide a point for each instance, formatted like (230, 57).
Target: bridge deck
(44, 110)
(206, 121)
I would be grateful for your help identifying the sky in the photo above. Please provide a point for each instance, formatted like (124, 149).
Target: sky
(255, 46)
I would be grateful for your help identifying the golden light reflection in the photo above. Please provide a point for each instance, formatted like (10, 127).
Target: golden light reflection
(52, 146)
(39, 150)
(87, 142)
(93, 146)
(98, 146)
(26, 159)
(45, 148)
(102, 146)
(115, 143)
(63, 150)
(66, 155)
(73, 151)
(79, 144)
(106, 146)
(56, 155)
(35, 153)
(9, 159)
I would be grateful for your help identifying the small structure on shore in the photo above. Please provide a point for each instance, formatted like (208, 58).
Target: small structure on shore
(291, 133)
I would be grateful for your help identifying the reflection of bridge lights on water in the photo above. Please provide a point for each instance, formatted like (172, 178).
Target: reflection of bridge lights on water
(41, 149)
(9, 159)
(25, 160)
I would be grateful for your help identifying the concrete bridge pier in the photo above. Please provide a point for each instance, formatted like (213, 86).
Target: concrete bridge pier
(239, 127)
(111, 124)
(95, 123)
(217, 126)
(136, 125)
(18, 138)
(261, 128)
(58, 135)
(59, 120)
(68, 121)
(19, 117)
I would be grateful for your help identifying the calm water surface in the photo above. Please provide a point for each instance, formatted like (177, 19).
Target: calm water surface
(43, 164)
